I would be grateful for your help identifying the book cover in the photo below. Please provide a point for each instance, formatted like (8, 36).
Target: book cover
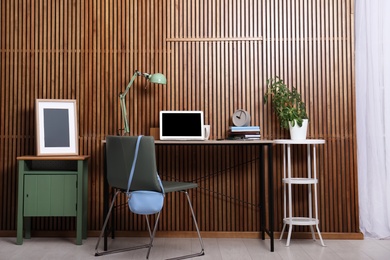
(244, 128)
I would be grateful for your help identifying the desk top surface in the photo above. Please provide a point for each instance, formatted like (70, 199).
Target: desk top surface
(237, 142)
(217, 142)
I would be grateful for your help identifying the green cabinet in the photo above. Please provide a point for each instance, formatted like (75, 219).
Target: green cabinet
(52, 187)
(50, 195)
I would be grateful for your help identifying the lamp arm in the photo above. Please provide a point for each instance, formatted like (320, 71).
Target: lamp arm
(122, 96)
(136, 73)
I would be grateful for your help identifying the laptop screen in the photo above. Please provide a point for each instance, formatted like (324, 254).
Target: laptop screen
(181, 125)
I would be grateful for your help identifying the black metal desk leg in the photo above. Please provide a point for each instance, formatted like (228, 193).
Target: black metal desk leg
(271, 197)
(262, 192)
(105, 196)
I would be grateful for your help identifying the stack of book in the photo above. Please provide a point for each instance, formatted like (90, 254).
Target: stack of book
(244, 132)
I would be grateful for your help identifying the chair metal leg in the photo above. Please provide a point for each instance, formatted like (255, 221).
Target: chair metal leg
(105, 224)
(197, 230)
(151, 234)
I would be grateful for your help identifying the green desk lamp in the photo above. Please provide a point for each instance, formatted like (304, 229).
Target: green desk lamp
(157, 78)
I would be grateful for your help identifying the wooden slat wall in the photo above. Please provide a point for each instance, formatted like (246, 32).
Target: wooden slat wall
(217, 56)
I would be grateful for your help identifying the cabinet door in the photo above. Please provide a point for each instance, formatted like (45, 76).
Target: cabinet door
(50, 195)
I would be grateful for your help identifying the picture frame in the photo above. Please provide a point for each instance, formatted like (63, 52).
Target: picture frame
(56, 127)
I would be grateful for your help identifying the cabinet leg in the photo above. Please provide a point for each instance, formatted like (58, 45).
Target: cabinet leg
(27, 227)
(19, 231)
(79, 229)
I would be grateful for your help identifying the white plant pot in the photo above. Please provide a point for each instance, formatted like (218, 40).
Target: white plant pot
(298, 132)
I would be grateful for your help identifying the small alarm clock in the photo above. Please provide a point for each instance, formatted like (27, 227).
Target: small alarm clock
(241, 118)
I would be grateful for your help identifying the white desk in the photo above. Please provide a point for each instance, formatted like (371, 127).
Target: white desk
(310, 180)
(261, 144)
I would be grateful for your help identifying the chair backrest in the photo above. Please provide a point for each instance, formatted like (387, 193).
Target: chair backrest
(119, 158)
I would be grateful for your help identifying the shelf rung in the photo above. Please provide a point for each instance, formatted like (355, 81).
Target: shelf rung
(300, 180)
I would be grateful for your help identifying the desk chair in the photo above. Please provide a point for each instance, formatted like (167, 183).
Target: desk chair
(119, 154)
(120, 158)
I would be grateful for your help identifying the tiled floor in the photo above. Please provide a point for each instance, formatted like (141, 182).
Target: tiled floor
(215, 248)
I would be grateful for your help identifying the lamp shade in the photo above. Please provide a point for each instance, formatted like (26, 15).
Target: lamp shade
(158, 78)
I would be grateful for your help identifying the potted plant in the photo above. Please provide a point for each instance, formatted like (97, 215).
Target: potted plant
(288, 107)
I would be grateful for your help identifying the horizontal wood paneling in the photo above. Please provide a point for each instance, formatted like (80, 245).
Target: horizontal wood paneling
(217, 56)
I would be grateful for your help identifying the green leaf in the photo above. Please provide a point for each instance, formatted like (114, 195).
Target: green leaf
(287, 104)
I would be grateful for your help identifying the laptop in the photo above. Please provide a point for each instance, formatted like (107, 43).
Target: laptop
(181, 125)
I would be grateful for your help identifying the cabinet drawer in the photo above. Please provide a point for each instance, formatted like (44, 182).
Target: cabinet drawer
(50, 195)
